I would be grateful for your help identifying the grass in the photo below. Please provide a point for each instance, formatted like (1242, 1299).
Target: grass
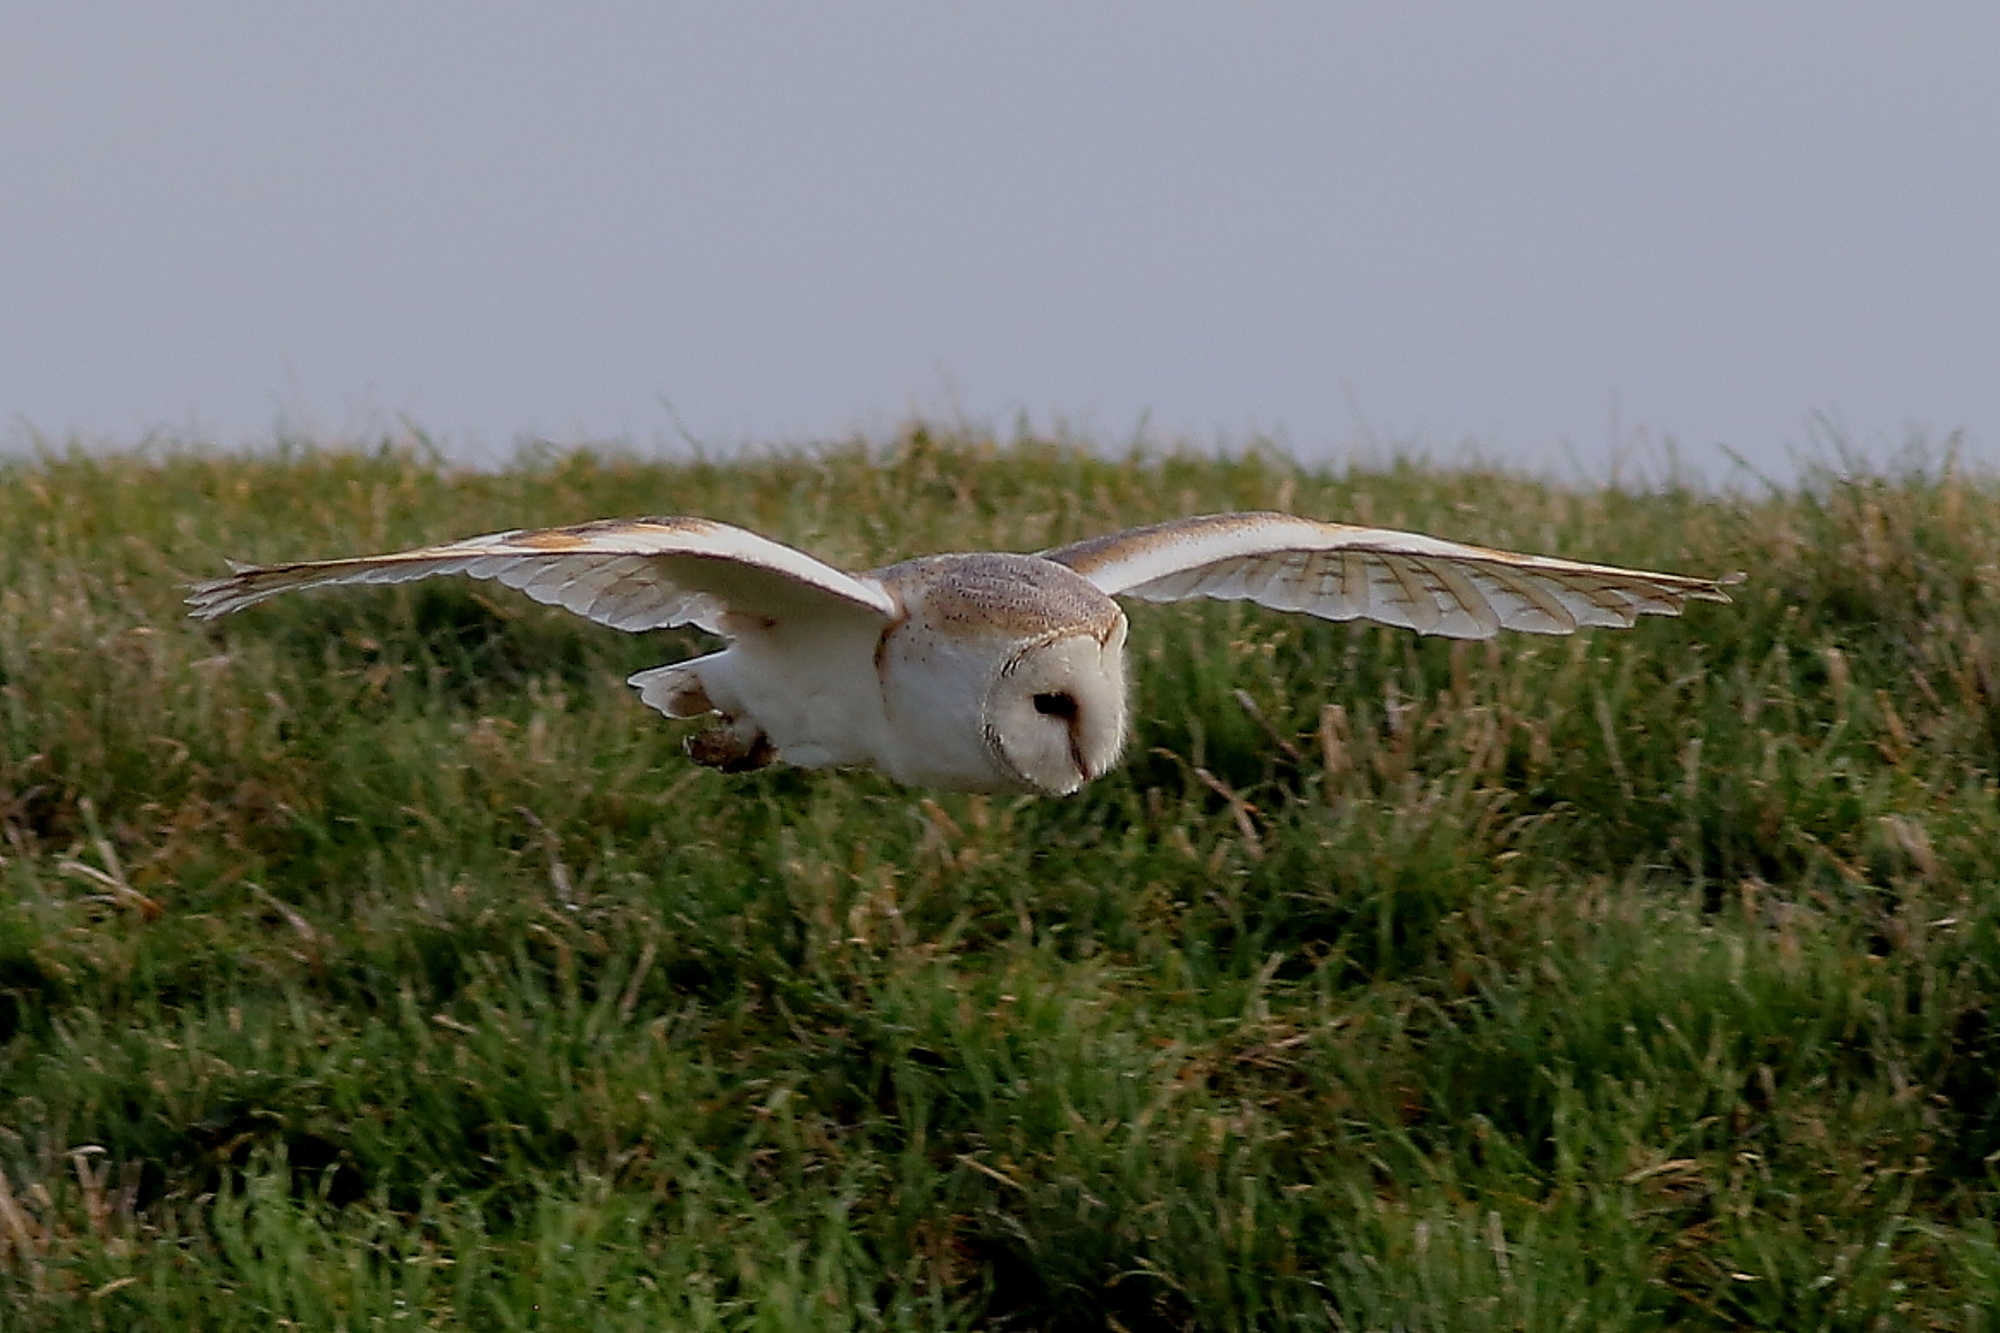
(375, 960)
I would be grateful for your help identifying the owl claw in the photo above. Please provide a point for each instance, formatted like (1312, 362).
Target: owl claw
(731, 747)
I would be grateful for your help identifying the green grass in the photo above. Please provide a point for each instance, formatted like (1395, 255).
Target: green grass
(375, 960)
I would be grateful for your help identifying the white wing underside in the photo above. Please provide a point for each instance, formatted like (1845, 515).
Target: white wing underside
(1340, 572)
(640, 574)
(630, 574)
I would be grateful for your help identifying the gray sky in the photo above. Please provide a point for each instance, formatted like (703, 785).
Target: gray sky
(1556, 229)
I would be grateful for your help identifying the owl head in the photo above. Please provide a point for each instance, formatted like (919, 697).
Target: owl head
(1054, 715)
(1008, 674)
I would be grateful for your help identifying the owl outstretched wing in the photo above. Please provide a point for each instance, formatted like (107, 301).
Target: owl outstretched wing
(631, 574)
(1340, 572)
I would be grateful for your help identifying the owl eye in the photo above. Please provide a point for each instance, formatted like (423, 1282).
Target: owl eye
(1056, 705)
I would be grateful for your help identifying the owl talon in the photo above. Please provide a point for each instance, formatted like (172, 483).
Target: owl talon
(727, 749)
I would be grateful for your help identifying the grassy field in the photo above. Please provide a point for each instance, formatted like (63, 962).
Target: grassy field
(375, 960)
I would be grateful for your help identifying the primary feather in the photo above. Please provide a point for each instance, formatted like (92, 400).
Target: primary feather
(1341, 572)
(631, 574)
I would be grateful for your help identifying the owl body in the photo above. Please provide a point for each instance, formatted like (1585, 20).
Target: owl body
(942, 694)
(978, 671)
(765, 709)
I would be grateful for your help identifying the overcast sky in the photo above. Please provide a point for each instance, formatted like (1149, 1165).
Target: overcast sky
(1557, 230)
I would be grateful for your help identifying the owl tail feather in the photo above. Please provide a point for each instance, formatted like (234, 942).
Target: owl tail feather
(675, 690)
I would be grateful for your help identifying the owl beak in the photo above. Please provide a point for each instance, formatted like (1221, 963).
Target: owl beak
(1076, 754)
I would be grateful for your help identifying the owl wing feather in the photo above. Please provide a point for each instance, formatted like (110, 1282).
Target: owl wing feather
(631, 574)
(1340, 572)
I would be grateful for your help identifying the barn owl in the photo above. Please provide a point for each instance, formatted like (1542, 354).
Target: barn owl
(980, 671)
